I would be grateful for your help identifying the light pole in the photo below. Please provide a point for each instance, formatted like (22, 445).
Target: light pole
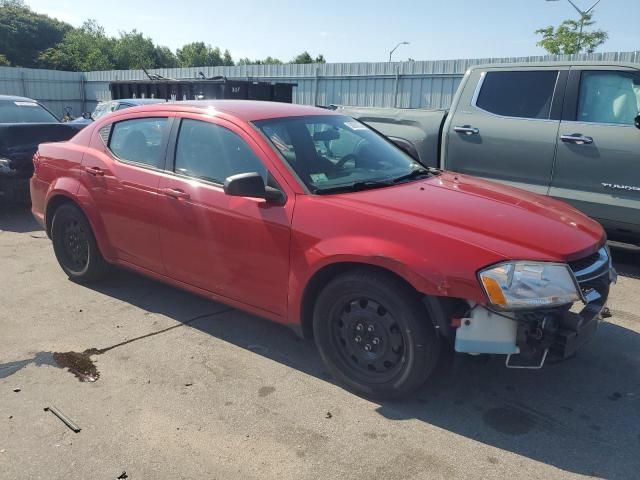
(395, 48)
(583, 14)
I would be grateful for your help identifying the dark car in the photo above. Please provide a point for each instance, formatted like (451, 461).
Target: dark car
(24, 123)
(114, 105)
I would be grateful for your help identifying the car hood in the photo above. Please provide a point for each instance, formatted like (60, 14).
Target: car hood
(511, 223)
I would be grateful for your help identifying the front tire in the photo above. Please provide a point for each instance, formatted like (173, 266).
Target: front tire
(75, 245)
(374, 334)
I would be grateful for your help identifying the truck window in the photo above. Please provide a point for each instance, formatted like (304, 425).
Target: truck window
(608, 97)
(518, 94)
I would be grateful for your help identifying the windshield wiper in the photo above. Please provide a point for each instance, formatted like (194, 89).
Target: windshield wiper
(354, 187)
(418, 172)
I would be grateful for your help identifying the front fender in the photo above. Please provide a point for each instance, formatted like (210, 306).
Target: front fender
(416, 267)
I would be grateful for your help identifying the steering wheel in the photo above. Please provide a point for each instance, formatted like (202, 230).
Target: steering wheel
(345, 159)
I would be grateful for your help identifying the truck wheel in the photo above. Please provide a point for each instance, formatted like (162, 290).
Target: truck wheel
(75, 245)
(374, 334)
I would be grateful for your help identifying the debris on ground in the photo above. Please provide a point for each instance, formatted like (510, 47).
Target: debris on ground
(16, 390)
(328, 415)
(122, 476)
(66, 420)
(188, 384)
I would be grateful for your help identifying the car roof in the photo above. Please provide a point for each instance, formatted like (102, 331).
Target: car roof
(247, 110)
(558, 64)
(15, 98)
(137, 101)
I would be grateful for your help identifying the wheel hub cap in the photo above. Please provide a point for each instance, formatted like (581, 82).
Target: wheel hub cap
(369, 339)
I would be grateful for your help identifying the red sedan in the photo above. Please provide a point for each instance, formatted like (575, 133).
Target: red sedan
(311, 219)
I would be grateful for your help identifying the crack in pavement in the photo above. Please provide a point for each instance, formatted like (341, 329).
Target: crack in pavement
(80, 363)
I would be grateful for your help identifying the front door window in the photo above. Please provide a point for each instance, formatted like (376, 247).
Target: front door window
(609, 97)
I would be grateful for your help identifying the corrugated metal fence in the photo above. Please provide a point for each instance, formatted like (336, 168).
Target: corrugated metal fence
(430, 84)
(53, 88)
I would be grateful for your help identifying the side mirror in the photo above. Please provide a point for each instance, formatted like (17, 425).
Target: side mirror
(636, 121)
(252, 185)
(326, 135)
(406, 146)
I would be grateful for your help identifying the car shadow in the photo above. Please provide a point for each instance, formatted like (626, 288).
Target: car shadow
(627, 263)
(580, 415)
(18, 219)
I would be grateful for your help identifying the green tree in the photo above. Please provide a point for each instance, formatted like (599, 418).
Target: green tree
(4, 62)
(24, 34)
(570, 37)
(305, 57)
(132, 51)
(165, 58)
(227, 60)
(267, 61)
(84, 49)
(198, 54)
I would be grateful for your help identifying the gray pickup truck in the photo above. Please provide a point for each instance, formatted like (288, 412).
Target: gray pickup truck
(568, 130)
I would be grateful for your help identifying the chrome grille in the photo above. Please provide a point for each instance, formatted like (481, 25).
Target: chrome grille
(592, 267)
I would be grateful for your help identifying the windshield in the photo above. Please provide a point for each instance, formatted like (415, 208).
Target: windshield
(335, 153)
(102, 109)
(24, 112)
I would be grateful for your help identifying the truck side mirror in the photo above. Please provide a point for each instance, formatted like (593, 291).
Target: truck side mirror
(636, 121)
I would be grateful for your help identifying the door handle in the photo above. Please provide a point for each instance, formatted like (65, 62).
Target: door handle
(175, 193)
(95, 171)
(466, 129)
(577, 139)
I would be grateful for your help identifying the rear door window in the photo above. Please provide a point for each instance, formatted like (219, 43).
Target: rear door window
(211, 152)
(525, 94)
(140, 141)
(609, 97)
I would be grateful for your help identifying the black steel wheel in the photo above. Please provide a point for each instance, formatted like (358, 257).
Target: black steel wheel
(368, 340)
(374, 334)
(75, 246)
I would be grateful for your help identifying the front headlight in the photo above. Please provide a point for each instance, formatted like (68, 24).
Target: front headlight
(518, 285)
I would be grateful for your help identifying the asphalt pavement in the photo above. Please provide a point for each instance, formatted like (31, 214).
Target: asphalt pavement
(175, 386)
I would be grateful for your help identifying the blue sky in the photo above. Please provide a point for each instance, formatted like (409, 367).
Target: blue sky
(351, 30)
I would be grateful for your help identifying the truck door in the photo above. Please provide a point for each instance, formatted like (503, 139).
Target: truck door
(506, 127)
(598, 155)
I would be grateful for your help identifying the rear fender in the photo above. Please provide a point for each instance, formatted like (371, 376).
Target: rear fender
(77, 193)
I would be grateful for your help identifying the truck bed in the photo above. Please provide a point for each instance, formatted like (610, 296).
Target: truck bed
(419, 128)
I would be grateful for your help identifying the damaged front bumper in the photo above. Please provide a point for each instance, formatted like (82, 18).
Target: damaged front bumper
(530, 337)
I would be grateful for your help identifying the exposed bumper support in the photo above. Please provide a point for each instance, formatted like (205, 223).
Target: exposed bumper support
(530, 337)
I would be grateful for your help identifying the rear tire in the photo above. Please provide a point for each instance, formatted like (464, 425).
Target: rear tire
(75, 245)
(374, 334)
